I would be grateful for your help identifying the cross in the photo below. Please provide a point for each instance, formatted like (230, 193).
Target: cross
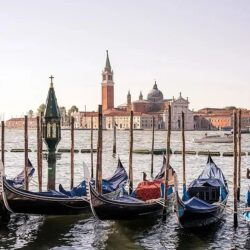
(51, 79)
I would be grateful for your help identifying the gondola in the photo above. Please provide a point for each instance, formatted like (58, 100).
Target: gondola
(246, 213)
(54, 202)
(141, 203)
(204, 202)
(17, 182)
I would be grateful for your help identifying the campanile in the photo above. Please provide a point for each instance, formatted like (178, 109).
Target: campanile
(107, 86)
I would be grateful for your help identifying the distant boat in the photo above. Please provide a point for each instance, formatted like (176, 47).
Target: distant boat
(226, 138)
(243, 131)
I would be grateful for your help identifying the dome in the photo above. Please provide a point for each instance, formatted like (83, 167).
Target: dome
(155, 95)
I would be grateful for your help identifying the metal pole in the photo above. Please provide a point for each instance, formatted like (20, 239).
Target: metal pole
(167, 163)
(239, 154)
(91, 148)
(235, 169)
(183, 152)
(130, 172)
(72, 153)
(152, 148)
(2, 142)
(26, 152)
(99, 153)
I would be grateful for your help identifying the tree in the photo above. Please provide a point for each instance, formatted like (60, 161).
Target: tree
(30, 113)
(62, 110)
(41, 109)
(72, 110)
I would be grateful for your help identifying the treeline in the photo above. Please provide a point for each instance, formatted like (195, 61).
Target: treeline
(41, 109)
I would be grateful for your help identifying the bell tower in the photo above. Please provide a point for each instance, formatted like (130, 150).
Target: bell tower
(129, 101)
(107, 86)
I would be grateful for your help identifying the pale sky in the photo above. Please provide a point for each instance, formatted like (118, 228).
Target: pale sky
(201, 48)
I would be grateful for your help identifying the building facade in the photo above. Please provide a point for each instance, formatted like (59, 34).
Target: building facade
(178, 106)
(18, 123)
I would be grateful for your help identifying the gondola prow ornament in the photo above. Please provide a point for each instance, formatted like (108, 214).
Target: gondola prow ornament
(51, 133)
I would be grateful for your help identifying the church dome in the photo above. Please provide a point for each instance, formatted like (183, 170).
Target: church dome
(155, 95)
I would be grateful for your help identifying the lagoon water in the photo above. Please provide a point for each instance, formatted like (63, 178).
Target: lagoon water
(85, 232)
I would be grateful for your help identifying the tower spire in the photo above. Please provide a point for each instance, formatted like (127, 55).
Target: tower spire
(155, 86)
(140, 96)
(51, 81)
(52, 109)
(129, 104)
(107, 66)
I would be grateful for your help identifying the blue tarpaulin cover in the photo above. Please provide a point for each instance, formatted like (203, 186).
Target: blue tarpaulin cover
(212, 176)
(247, 214)
(248, 198)
(80, 190)
(117, 180)
(197, 204)
(18, 181)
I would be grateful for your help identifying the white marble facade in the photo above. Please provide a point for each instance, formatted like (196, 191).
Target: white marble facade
(178, 106)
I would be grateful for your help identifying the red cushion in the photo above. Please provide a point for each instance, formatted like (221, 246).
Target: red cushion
(148, 190)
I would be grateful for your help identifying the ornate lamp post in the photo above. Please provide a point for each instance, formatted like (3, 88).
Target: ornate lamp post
(51, 133)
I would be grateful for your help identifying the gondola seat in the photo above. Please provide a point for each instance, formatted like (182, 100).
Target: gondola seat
(148, 190)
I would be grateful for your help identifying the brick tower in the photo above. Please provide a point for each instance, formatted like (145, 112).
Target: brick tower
(107, 86)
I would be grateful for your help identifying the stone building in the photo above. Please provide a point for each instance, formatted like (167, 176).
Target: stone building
(219, 118)
(201, 123)
(178, 106)
(19, 123)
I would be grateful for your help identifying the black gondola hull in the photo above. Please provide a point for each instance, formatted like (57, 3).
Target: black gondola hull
(20, 201)
(195, 218)
(34, 206)
(107, 209)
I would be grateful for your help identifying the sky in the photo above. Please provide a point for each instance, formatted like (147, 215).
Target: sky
(197, 47)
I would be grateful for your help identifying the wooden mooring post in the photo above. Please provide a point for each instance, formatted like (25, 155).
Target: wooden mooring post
(114, 138)
(72, 152)
(91, 148)
(41, 148)
(183, 152)
(38, 133)
(26, 180)
(167, 163)
(99, 153)
(239, 155)
(2, 141)
(152, 148)
(131, 139)
(235, 169)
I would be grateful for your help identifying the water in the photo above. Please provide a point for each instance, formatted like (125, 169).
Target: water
(84, 232)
